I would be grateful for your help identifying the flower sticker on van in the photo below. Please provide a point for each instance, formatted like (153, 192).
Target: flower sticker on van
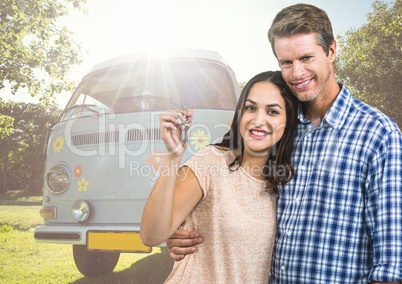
(77, 171)
(58, 144)
(200, 139)
(83, 184)
(156, 159)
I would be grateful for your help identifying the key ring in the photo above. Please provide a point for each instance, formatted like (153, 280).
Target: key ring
(184, 123)
(183, 119)
(179, 118)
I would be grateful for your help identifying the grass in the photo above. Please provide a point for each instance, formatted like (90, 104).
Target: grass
(20, 195)
(23, 260)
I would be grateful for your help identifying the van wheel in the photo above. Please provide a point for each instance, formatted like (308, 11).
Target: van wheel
(94, 263)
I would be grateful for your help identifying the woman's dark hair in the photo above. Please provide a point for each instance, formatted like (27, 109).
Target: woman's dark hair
(278, 169)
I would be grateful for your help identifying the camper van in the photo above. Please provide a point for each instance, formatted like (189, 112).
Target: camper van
(106, 152)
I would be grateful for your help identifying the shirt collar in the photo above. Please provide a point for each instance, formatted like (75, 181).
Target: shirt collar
(337, 114)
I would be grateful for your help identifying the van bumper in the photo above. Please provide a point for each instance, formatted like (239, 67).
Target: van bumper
(122, 238)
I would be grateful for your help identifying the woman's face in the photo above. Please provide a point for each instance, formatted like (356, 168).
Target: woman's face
(264, 118)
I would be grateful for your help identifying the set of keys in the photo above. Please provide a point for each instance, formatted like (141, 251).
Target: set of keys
(184, 123)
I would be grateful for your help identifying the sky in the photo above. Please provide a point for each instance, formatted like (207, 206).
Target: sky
(237, 29)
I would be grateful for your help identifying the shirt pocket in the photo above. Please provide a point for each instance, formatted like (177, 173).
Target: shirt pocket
(330, 187)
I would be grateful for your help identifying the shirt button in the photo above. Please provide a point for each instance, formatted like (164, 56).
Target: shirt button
(288, 233)
(309, 135)
(283, 267)
(297, 200)
(303, 167)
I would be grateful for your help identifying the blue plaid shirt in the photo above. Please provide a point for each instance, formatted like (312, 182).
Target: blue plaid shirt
(340, 218)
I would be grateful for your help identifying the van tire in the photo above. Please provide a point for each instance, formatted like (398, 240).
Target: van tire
(94, 263)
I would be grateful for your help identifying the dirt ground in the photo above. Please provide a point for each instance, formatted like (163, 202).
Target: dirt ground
(150, 270)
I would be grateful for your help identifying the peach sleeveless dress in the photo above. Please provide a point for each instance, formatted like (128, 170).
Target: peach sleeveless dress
(237, 219)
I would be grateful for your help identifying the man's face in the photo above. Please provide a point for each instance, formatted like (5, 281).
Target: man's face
(304, 65)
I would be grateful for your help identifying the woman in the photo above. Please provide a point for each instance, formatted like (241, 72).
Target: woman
(227, 190)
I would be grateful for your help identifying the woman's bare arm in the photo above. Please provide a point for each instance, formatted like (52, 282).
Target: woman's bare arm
(170, 202)
(176, 192)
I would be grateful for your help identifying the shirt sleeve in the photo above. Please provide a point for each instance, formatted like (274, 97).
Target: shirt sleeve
(199, 164)
(384, 208)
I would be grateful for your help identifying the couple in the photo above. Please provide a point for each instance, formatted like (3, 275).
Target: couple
(335, 218)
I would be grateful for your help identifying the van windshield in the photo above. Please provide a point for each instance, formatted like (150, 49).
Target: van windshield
(153, 86)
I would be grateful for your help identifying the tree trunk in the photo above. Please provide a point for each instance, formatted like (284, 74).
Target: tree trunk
(3, 177)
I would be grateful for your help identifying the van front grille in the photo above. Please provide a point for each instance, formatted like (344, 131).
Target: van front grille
(143, 134)
(106, 137)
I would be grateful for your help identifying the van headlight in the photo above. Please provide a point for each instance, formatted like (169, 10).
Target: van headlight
(80, 210)
(58, 179)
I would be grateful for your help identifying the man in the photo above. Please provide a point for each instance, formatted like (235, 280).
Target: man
(340, 218)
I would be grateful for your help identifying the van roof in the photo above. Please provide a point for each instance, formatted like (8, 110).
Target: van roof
(161, 53)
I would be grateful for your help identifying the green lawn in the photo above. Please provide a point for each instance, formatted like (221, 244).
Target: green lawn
(23, 260)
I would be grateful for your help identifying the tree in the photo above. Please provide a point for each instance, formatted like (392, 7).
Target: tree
(6, 123)
(36, 54)
(22, 153)
(369, 59)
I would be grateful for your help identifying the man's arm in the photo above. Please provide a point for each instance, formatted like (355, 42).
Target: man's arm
(384, 208)
(183, 242)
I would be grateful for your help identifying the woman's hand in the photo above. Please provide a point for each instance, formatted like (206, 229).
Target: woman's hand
(172, 124)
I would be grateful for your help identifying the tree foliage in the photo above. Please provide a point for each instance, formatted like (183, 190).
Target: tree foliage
(6, 123)
(369, 59)
(22, 152)
(36, 53)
